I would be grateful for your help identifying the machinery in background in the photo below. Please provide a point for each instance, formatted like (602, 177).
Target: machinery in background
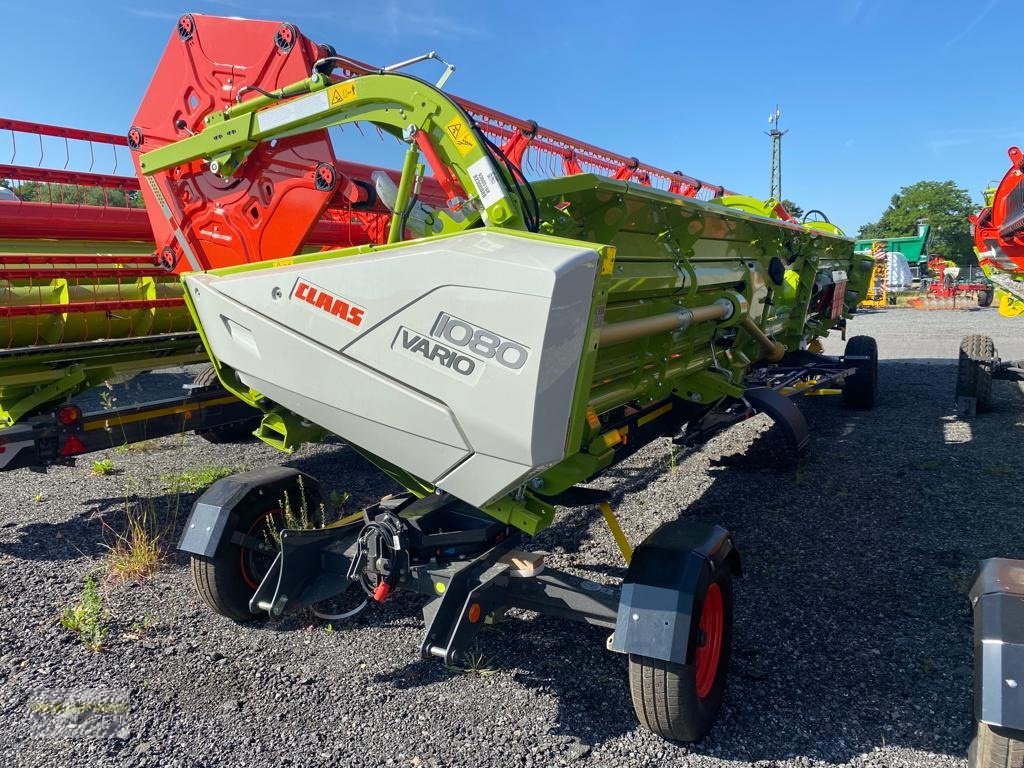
(890, 276)
(998, 230)
(914, 248)
(945, 289)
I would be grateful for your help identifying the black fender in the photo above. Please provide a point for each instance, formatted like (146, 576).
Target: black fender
(666, 574)
(783, 411)
(212, 521)
(997, 598)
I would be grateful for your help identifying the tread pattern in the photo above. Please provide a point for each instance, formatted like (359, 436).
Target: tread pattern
(996, 748)
(219, 580)
(860, 390)
(664, 694)
(219, 593)
(974, 369)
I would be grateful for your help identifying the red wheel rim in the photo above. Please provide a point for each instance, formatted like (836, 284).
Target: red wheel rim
(246, 563)
(709, 648)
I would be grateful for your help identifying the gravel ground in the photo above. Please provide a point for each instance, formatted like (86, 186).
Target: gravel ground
(852, 644)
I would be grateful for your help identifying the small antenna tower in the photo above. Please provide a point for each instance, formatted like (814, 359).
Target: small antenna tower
(776, 137)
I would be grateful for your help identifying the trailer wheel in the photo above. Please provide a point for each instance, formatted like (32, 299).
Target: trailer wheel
(681, 701)
(985, 298)
(974, 370)
(860, 389)
(227, 581)
(995, 747)
(238, 432)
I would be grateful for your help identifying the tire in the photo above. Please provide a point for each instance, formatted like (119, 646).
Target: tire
(227, 581)
(237, 432)
(985, 298)
(996, 748)
(860, 390)
(974, 370)
(680, 702)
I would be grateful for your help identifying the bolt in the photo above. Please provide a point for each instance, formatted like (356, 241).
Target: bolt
(214, 166)
(537, 483)
(276, 294)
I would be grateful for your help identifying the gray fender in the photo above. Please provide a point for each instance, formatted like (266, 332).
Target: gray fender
(213, 520)
(998, 600)
(666, 573)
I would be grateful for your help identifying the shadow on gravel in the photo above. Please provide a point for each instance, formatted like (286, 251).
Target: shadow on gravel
(339, 470)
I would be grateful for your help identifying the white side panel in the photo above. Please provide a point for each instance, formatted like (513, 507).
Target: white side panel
(471, 342)
(410, 429)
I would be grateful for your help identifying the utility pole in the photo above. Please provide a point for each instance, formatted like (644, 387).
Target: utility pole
(776, 137)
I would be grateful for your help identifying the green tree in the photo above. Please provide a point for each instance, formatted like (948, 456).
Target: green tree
(943, 204)
(34, 191)
(794, 209)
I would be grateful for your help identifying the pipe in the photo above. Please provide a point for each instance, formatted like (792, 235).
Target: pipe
(773, 350)
(403, 198)
(631, 330)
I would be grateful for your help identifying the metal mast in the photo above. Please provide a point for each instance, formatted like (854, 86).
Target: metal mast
(776, 137)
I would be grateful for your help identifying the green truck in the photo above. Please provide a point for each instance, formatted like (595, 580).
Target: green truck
(913, 247)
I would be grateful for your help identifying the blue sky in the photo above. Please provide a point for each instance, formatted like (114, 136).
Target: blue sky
(876, 94)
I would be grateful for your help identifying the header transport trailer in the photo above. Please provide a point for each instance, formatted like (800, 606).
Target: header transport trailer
(537, 310)
(997, 596)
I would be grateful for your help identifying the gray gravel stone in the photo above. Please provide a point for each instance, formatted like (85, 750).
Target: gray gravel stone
(852, 642)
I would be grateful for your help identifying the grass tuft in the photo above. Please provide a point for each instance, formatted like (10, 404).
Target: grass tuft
(192, 480)
(137, 552)
(474, 664)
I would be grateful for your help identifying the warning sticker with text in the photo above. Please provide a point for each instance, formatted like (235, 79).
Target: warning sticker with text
(486, 181)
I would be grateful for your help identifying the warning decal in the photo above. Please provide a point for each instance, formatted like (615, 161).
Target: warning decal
(340, 93)
(460, 133)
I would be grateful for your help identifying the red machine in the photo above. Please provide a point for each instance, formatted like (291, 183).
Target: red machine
(269, 207)
(999, 227)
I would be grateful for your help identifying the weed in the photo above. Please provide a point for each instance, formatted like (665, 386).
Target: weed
(191, 480)
(339, 499)
(329, 629)
(136, 553)
(475, 664)
(998, 469)
(40, 497)
(102, 467)
(296, 519)
(142, 627)
(672, 461)
(107, 398)
(926, 466)
(143, 446)
(85, 618)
